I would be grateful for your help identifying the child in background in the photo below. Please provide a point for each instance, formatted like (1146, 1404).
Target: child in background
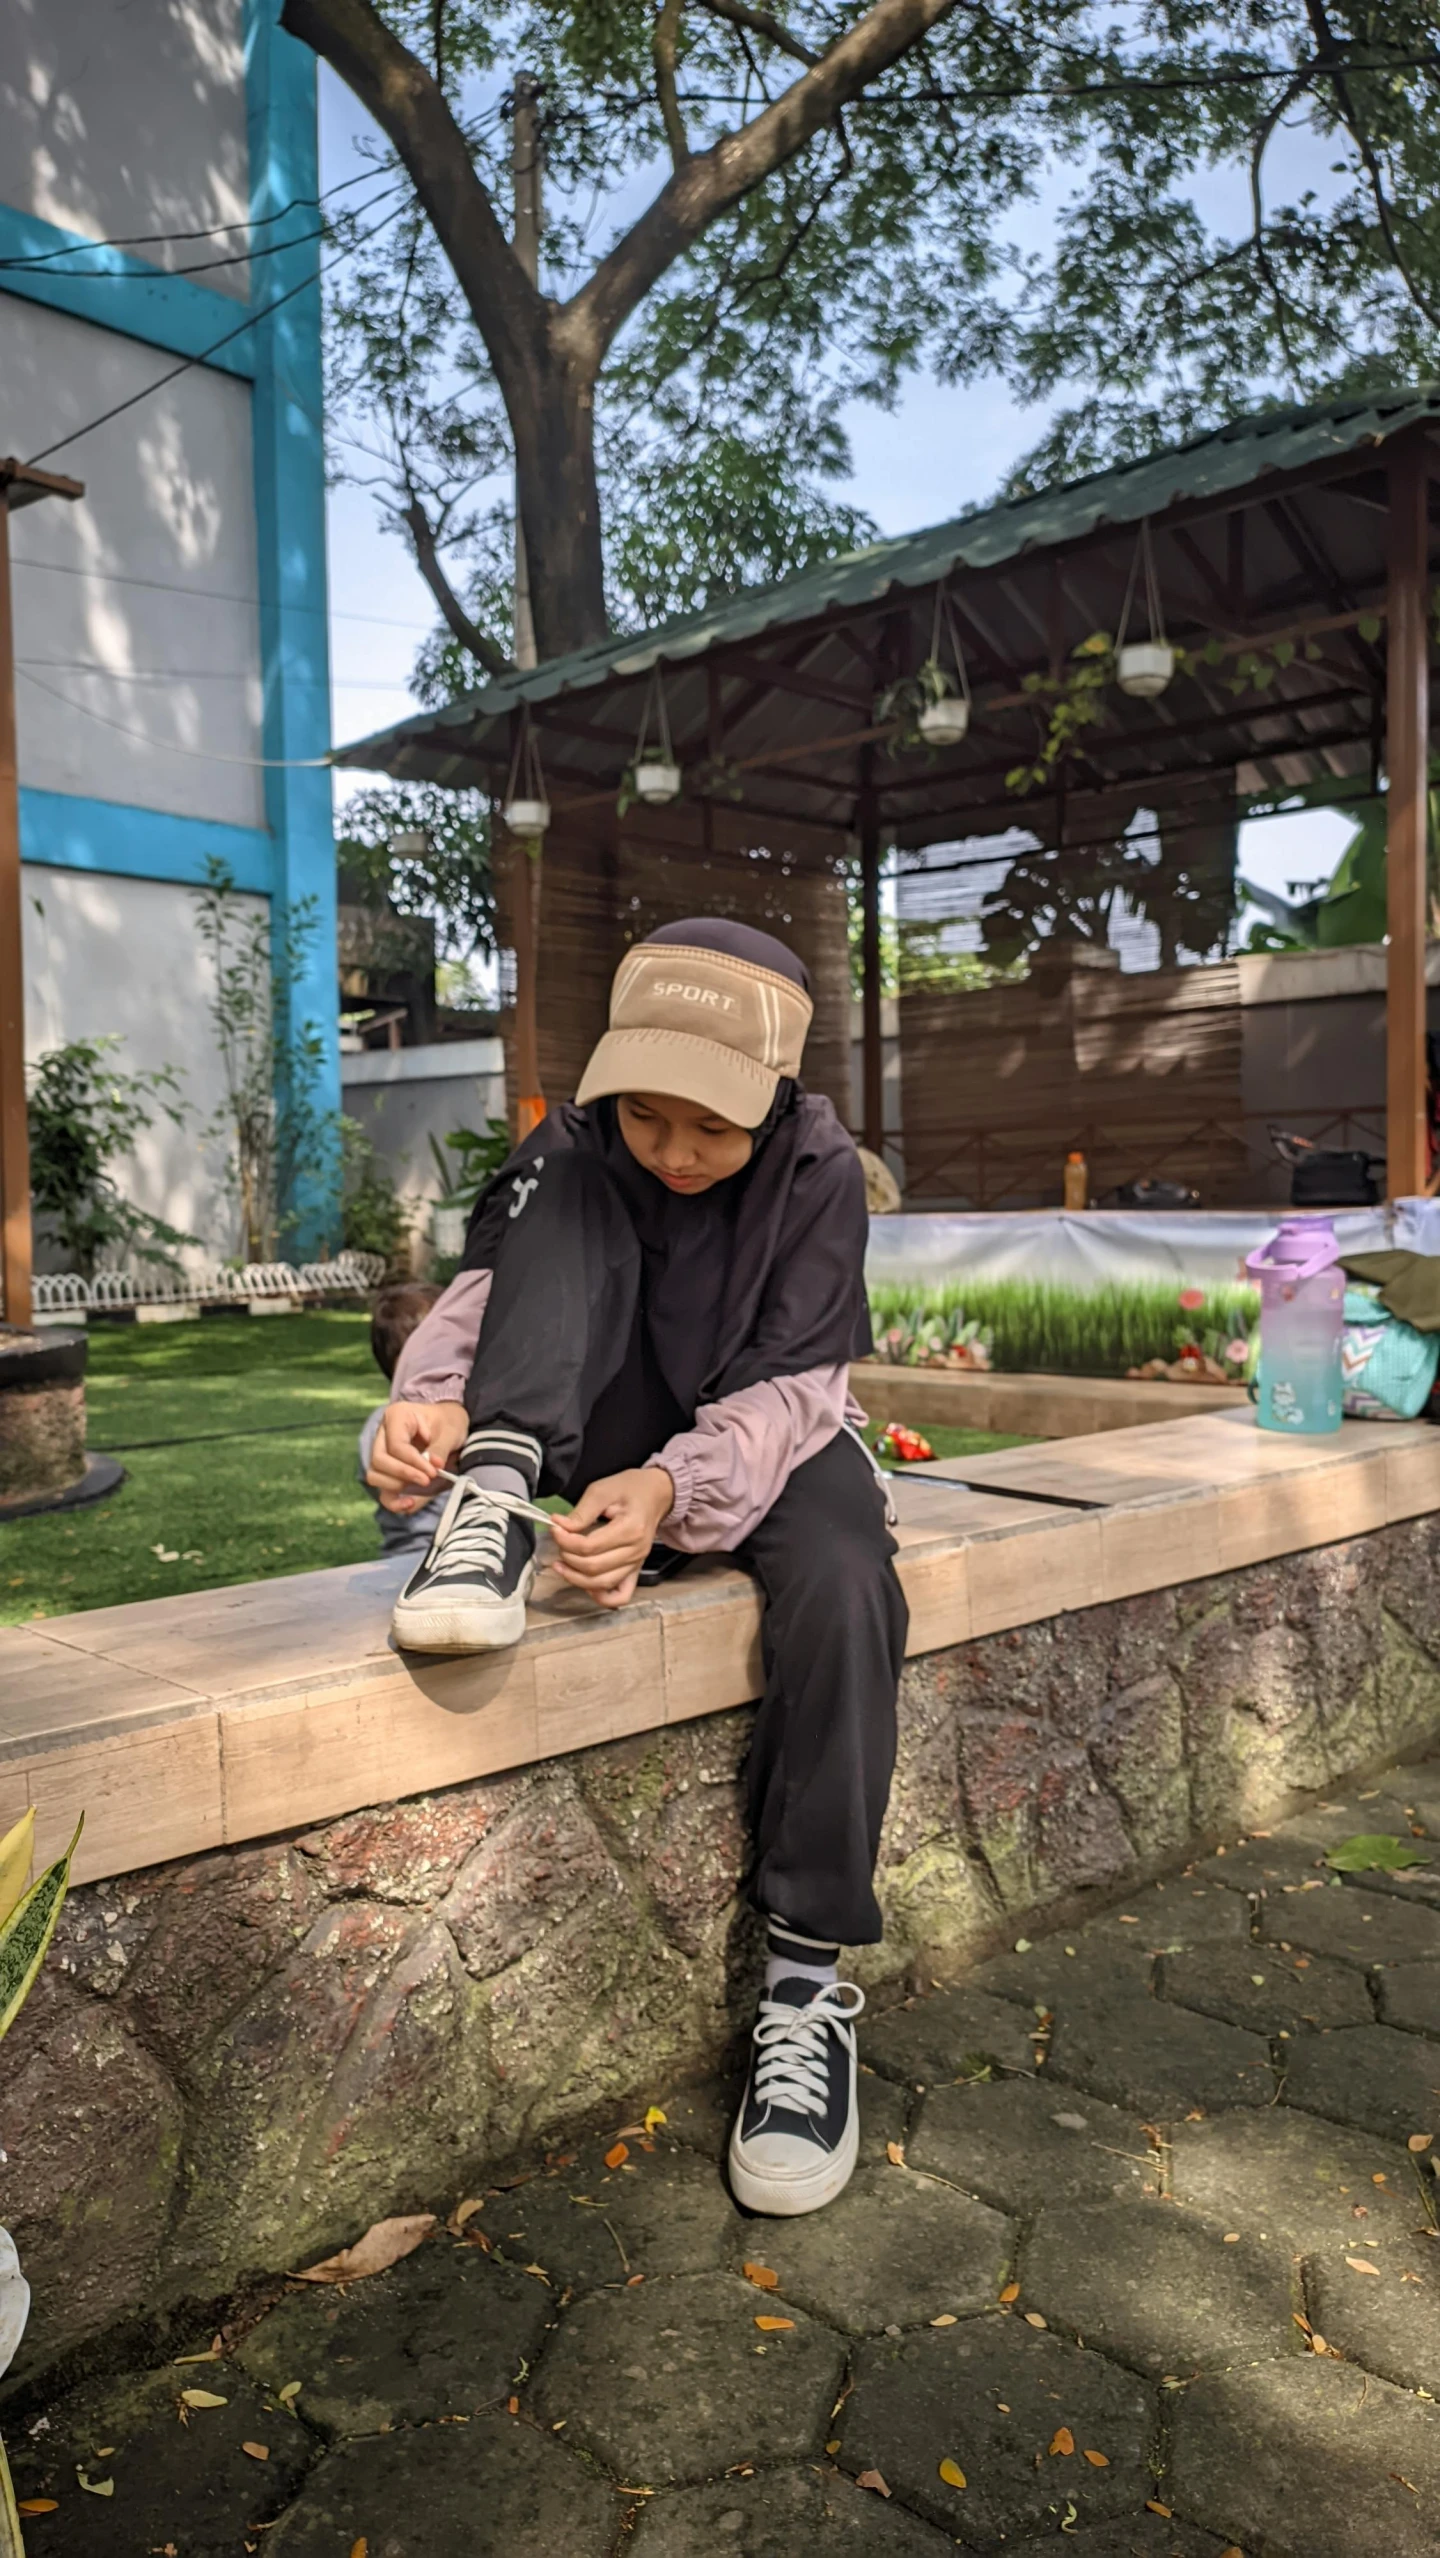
(397, 1312)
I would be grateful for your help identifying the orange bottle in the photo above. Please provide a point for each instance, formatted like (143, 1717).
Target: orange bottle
(1077, 1181)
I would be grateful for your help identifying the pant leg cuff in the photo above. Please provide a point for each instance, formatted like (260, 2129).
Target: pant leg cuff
(495, 1445)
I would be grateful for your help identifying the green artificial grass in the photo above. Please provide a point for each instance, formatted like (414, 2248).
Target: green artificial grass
(243, 1493)
(1101, 1332)
(255, 1476)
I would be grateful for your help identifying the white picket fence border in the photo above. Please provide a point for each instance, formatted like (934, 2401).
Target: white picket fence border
(350, 1274)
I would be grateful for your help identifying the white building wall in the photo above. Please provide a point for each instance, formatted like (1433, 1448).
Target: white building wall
(116, 956)
(126, 117)
(136, 621)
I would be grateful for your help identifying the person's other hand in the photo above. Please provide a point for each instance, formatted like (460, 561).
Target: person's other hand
(413, 1441)
(600, 1547)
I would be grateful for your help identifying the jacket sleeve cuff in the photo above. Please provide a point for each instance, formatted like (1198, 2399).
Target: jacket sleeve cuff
(677, 1464)
(434, 1389)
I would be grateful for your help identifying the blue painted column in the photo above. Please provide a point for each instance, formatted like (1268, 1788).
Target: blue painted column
(288, 431)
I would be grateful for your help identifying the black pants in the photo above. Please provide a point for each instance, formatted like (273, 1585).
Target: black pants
(564, 1355)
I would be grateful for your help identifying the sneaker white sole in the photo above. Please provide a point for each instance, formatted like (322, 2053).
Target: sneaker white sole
(783, 2195)
(462, 1624)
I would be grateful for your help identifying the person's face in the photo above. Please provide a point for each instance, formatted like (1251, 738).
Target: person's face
(687, 1148)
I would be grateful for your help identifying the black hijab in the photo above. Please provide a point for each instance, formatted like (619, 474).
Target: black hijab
(763, 1275)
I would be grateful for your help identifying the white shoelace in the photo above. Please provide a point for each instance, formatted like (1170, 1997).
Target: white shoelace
(471, 1535)
(792, 2043)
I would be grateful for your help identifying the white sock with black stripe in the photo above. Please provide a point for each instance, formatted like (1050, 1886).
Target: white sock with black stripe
(792, 1956)
(502, 1460)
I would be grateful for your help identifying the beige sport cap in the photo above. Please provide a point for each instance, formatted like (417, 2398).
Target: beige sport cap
(702, 1026)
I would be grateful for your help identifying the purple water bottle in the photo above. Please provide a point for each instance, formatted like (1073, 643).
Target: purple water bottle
(1302, 1310)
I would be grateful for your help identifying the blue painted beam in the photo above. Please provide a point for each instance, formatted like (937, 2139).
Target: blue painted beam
(288, 437)
(140, 843)
(125, 293)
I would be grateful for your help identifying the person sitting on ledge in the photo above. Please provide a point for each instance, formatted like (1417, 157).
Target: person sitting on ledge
(658, 1301)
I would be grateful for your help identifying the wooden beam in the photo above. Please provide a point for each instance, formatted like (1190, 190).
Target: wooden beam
(871, 1027)
(15, 1244)
(778, 677)
(1407, 754)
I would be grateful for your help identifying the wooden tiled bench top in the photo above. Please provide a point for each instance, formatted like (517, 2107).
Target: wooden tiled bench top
(183, 1724)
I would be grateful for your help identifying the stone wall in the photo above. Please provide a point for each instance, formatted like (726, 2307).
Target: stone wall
(235, 2062)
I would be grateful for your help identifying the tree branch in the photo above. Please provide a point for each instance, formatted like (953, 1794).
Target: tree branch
(713, 180)
(759, 22)
(1331, 63)
(427, 560)
(664, 45)
(411, 112)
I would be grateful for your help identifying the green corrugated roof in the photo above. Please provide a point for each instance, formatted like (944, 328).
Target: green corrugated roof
(1230, 459)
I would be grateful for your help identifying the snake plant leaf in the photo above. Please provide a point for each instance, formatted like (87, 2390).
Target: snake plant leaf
(11, 2544)
(25, 1935)
(14, 2302)
(15, 1852)
(1373, 1852)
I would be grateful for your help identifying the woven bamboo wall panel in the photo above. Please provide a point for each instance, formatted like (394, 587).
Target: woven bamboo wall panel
(607, 882)
(1142, 1071)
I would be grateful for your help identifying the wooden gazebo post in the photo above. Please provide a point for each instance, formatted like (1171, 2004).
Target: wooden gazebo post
(872, 1053)
(1407, 767)
(20, 485)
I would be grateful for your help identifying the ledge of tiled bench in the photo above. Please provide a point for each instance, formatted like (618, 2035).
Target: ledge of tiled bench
(226, 1715)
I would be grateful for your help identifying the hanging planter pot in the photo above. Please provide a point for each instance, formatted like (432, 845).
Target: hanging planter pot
(525, 808)
(1143, 668)
(654, 777)
(526, 817)
(945, 722)
(657, 782)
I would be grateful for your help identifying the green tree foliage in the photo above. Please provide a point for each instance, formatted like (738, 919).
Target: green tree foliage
(759, 209)
(423, 852)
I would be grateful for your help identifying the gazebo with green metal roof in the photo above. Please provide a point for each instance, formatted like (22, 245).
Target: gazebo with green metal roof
(1285, 560)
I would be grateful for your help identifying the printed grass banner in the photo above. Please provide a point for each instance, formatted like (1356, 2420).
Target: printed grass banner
(1028, 1325)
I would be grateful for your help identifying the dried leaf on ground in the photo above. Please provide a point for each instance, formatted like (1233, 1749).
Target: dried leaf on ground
(655, 2118)
(38, 2505)
(464, 2212)
(291, 2391)
(360, 2548)
(1061, 2441)
(1011, 2292)
(872, 2479)
(947, 2318)
(1362, 2265)
(96, 2486)
(257, 2451)
(1097, 2459)
(1032, 2318)
(1151, 2507)
(617, 2156)
(773, 2326)
(383, 2245)
(764, 2277)
(1420, 2140)
(201, 2398)
(895, 2152)
(952, 2473)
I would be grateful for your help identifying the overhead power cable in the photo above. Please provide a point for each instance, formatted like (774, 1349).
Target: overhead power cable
(215, 231)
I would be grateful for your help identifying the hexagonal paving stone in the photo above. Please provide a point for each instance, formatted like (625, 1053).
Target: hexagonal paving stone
(674, 2381)
(439, 2335)
(494, 2488)
(661, 2211)
(1389, 2320)
(1410, 1997)
(1062, 1967)
(1293, 2179)
(991, 2395)
(1265, 1991)
(1356, 1927)
(950, 2035)
(1369, 2075)
(774, 2514)
(1167, 1917)
(1308, 2457)
(1120, 2043)
(1291, 1851)
(191, 2484)
(1138, 2536)
(895, 2249)
(1158, 2288)
(1020, 2144)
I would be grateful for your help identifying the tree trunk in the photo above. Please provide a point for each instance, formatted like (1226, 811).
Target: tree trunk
(559, 498)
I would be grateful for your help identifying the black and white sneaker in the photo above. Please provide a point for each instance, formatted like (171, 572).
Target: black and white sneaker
(469, 1594)
(797, 2133)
